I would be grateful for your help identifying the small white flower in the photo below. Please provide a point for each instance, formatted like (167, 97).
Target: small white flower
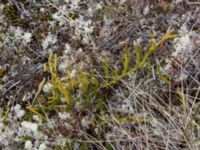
(28, 145)
(43, 146)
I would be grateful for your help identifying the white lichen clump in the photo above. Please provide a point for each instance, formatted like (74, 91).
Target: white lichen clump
(146, 10)
(19, 112)
(67, 48)
(125, 108)
(47, 87)
(36, 118)
(60, 15)
(30, 126)
(27, 96)
(82, 28)
(63, 65)
(85, 122)
(82, 25)
(21, 35)
(49, 40)
(182, 77)
(183, 45)
(73, 73)
(43, 146)
(64, 115)
(28, 145)
(27, 37)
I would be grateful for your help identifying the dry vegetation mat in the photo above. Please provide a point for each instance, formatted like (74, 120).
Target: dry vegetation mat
(105, 75)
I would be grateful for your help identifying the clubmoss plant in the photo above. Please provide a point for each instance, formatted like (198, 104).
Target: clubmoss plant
(88, 86)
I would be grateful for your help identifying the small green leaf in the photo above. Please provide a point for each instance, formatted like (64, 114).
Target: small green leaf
(138, 51)
(105, 66)
(126, 59)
